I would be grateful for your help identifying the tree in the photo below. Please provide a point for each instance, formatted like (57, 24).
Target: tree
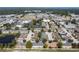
(8, 26)
(6, 46)
(78, 45)
(66, 22)
(70, 41)
(39, 34)
(45, 46)
(24, 41)
(28, 44)
(60, 12)
(59, 44)
(50, 41)
(12, 44)
(39, 21)
(75, 31)
(28, 28)
(42, 30)
(55, 40)
(49, 30)
(32, 29)
(16, 28)
(44, 40)
(0, 32)
(25, 25)
(37, 40)
(73, 21)
(33, 22)
(73, 45)
(17, 34)
(1, 46)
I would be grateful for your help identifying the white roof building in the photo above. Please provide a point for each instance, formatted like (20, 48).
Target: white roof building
(49, 34)
(26, 21)
(46, 20)
(37, 45)
(70, 26)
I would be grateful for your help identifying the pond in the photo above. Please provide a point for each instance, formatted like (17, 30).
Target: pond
(7, 39)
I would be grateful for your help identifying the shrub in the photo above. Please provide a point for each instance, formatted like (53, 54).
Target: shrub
(59, 44)
(29, 44)
(45, 46)
(73, 45)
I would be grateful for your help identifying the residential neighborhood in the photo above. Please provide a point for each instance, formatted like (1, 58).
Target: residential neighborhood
(38, 30)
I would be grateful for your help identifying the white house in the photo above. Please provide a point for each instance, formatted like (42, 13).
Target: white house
(49, 34)
(37, 45)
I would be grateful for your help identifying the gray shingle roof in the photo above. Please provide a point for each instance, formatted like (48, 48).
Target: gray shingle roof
(37, 44)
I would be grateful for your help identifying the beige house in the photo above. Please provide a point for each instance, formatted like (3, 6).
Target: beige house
(52, 44)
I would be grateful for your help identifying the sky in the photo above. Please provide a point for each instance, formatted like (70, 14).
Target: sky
(39, 3)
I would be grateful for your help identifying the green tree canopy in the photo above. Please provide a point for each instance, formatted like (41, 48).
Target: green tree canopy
(8, 26)
(59, 44)
(17, 34)
(28, 44)
(45, 46)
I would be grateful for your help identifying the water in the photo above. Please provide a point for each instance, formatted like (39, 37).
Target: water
(7, 39)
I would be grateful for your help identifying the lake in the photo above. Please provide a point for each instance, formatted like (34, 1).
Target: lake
(7, 39)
